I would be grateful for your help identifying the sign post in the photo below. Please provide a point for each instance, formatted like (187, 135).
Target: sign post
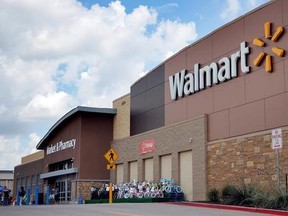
(111, 156)
(277, 144)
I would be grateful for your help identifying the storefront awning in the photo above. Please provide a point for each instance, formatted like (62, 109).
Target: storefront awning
(58, 173)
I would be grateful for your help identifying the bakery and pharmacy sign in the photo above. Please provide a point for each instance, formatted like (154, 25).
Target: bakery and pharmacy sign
(61, 145)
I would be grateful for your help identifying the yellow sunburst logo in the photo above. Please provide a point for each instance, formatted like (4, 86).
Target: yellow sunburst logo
(276, 50)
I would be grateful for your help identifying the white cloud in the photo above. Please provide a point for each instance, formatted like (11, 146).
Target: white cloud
(48, 106)
(235, 8)
(11, 150)
(34, 140)
(56, 55)
(252, 3)
(232, 9)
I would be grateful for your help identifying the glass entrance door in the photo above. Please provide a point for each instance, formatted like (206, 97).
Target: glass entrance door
(64, 188)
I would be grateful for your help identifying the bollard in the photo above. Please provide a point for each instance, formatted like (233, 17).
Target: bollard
(80, 199)
(47, 194)
(37, 195)
(17, 197)
(28, 196)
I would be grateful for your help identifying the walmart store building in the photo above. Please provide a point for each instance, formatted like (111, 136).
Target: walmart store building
(204, 117)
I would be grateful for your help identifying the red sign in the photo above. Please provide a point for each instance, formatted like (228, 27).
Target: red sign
(147, 146)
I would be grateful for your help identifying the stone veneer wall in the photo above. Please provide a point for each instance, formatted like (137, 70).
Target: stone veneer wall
(247, 158)
(121, 124)
(83, 187)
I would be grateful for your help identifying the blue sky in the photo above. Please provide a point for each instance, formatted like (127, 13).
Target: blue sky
(59, 54)
(206, 14)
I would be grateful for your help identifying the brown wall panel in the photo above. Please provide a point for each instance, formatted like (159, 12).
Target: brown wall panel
(229, 94)
(286, 75)
(200, 53)
(231, 35)
(277, 110)
(200, 103)
(284, 12)
(97, 133)
(261, 84)
(176, 111)
(218, 125)
(247, 118)
(254, 22)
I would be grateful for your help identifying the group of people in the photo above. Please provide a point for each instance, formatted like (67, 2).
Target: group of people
(5, 198)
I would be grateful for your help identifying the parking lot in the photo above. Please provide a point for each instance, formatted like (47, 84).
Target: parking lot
(117, 209)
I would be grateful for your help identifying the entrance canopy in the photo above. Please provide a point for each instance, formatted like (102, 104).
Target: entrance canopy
(58, 173)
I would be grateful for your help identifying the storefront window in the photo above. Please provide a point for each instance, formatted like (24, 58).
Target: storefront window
(33, 184)
(63, 165)
(23, 182)
(28, 183)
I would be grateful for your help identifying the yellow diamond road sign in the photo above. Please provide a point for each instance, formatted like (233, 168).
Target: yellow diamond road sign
(111, 156)
(111, 166)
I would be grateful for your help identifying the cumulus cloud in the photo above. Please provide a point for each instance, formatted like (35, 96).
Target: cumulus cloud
(231, 10)
(52, 105)
(56, 55)
(12, 150)
(235, 8)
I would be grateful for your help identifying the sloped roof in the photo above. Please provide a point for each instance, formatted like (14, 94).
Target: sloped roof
(72, 113)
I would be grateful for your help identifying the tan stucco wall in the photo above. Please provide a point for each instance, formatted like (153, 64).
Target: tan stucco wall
(32, 157)
(122, 119)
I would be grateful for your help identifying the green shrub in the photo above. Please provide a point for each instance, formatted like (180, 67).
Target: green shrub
(238, 195)
(274, 201)
(213, 195)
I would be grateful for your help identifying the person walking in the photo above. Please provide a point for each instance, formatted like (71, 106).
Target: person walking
(22, 193)
(56, 195)
(6, 193)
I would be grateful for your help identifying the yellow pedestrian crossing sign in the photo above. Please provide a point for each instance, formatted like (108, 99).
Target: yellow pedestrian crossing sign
(111, 166)
(111, 156)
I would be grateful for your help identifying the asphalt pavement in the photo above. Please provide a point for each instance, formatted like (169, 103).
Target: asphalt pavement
(119, 209)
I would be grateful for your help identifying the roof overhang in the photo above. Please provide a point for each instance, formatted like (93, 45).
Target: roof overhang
(109, 111)
(58, 173)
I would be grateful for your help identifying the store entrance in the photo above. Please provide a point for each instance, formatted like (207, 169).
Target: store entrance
(64, 189)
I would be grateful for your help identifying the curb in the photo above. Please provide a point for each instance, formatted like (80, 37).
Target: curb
(230, 207)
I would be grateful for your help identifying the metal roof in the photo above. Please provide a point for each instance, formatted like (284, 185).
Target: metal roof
(72, 112)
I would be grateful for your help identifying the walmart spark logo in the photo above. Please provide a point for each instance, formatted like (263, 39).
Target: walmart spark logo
(276, 50)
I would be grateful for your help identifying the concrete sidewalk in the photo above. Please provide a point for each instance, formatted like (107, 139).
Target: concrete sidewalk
(235, 208)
